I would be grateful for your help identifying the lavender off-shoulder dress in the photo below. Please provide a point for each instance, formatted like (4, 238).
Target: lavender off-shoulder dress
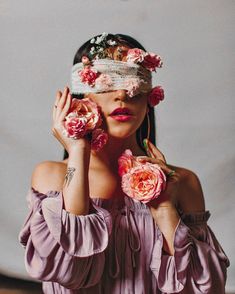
(118, 249)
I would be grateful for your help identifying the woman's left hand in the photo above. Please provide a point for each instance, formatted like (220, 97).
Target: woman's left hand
(169, 196)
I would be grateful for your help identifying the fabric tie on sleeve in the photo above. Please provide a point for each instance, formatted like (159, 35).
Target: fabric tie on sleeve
(133, 239)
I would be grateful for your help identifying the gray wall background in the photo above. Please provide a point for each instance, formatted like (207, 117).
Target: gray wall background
(195, 123)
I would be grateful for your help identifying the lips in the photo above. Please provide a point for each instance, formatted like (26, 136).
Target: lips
(121, 111)
(121, 114)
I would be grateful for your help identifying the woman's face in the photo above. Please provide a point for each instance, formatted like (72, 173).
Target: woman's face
(122, 115)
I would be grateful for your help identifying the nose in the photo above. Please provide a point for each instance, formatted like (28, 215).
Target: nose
(121, 95)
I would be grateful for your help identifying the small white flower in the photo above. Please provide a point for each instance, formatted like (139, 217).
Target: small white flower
(111, 42)
(104, 35)
(98, 40)
(92, 49)
(92, 41)
(100, 49)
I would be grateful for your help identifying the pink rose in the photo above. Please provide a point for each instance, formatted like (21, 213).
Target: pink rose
(135, 55)
(75, 126)
(85, 60)
(144, 183)
(88, 76)
(103, 82)
(84, 118)
(141, 181)
(92, 113)
(99, 139)
(125, 162)
(90, 110)
(151, 61)
(156, 95)
(132, 86)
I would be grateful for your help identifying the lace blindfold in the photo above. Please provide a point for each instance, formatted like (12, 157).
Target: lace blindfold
(103, 75)
(111, 66)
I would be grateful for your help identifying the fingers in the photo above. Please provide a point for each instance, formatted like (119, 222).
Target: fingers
(161, 163)
(60, 109)
(61, 102)
(58, 96)
(66, 108)
(151, 160)
(147, 149)
(154, 151)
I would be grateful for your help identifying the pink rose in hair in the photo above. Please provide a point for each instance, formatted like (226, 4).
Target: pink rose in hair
(135, 55)
(132, 86)
(156, 95)
(141, 181)
(103, 82)
(88, 76)
(152, 61)
(75, 126)
(99, 139)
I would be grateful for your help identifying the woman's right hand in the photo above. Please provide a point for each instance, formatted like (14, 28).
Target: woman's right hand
(60, 110)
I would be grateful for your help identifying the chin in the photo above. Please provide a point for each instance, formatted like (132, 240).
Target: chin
(121, 133)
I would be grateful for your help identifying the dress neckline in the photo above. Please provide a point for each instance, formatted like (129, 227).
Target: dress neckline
(110, 203)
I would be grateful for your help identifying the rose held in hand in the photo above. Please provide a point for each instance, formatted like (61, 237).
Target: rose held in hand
(84, 118)
(88, 109)
(75, 125)
(144, 182)
(141, 181)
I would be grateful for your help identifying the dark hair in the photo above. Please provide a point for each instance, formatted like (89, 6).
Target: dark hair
(141, 133)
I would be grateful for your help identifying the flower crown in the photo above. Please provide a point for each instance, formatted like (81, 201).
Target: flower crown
(109, 66)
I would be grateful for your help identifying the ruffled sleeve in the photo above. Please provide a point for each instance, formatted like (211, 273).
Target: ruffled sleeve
(62, 247)
(199, 263)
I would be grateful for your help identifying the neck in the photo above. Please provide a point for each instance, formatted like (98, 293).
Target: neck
(110, 153)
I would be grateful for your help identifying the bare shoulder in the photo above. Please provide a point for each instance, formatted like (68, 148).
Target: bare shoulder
(191, 197)
(48, 176)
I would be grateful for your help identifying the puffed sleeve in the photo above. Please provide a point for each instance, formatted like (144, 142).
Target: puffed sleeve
(199, 264)
(62, 247)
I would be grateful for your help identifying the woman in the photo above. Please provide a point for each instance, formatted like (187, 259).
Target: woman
(83, 233)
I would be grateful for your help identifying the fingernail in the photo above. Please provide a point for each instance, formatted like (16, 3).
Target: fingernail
(146, 147)
(145, 144)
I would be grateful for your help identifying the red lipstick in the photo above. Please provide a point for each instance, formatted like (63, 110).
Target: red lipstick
(121, 114)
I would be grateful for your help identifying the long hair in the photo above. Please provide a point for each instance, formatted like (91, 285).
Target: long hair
(142, 131)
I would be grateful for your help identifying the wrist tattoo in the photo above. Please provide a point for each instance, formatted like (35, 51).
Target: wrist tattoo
(69, 175)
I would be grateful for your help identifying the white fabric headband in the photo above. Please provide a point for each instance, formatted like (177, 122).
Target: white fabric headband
(106, 74)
